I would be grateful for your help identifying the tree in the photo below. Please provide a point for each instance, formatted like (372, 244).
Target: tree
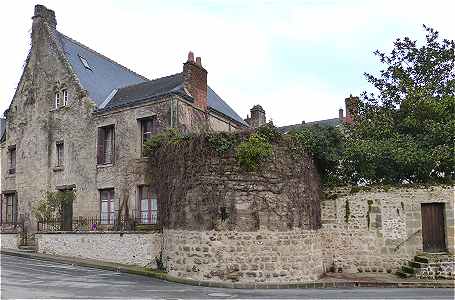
(405, 131)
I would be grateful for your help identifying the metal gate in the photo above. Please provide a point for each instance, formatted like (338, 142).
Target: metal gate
(433, 227)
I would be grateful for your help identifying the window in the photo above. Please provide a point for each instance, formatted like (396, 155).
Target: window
(11, 208)
(107, 206)
(60, 153)
(65, 97)
(12, 160)
(57, 100)
(148, 128)
(85, 63)
(105, 144)
(148, 205)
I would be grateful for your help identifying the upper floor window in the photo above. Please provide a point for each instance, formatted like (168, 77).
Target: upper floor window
(60, 153)
(85, 63)
(12, 159)
(148, 128)
(106, 139)
(65, 97)
(61, 98)
(57, 100)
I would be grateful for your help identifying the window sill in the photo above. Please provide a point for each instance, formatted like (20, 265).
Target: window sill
(8, 175)
(59, 109)
(101, 166)
(58, 168)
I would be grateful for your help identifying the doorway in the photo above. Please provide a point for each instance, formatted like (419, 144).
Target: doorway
(433, 233)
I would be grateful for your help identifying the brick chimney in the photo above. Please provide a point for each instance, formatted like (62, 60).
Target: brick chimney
(42, 13)
(257, 118)
(341, 115)
(351, 108)
(195, 80)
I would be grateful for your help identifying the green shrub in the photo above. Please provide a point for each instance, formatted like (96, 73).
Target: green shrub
(253, 151)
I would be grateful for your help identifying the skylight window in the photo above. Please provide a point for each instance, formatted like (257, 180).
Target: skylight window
(85, 63)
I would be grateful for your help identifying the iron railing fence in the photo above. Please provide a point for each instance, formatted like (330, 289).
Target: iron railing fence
(82, 224)
(17, 226)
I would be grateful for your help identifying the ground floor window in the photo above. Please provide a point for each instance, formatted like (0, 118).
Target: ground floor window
(107, 206)
(8, 209)
(148, 205)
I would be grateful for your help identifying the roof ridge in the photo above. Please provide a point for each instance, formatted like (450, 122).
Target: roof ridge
(103, 56)
(149, 80)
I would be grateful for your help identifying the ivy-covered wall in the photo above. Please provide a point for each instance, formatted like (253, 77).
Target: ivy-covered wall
(243, 181)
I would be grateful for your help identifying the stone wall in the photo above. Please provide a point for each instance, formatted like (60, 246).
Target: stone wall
(9, 240)
(381, 229)
(126, 248)
(260, 256)
(216, 193)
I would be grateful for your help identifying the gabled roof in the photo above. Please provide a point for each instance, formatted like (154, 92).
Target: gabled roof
(145, 90)
(104, 74)
(111, 85)
(327, 122)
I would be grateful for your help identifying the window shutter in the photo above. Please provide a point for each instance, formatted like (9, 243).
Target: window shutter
(100, 153)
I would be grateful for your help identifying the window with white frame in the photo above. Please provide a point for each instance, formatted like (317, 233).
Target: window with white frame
(57, 100)
(148, 205)
(107, 206)
(65, 97)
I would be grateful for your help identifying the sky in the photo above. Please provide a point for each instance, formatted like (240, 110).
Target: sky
(298, 59)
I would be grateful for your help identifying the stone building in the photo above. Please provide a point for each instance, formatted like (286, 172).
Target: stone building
(78, 121)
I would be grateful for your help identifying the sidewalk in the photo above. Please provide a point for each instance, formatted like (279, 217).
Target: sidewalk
(330, 280)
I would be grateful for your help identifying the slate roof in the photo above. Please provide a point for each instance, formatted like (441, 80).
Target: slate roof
(327, 122)
(2, 129)
(106, 79)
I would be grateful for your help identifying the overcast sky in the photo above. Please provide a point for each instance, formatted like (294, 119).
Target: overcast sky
(298, 59)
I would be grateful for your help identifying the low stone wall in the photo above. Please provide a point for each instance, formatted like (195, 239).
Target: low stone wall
(126, 248)
(367, 231)
(261, 256)
(9, 240)
(378, 230)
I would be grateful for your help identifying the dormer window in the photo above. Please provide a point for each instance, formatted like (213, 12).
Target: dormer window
(85, 63)
(57, 100)
(65, 97)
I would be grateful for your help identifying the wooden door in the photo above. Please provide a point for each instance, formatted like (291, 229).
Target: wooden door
(433, 227)
(67, 218)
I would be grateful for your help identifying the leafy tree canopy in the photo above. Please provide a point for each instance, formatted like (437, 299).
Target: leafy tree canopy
(405, 131)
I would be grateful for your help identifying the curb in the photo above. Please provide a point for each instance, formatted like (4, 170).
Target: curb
(232, 285)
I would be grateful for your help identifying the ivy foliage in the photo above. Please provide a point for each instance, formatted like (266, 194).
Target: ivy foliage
(51, 205)
(326, 146)
(253, 151)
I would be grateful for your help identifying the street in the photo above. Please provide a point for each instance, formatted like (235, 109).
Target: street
(31, 278)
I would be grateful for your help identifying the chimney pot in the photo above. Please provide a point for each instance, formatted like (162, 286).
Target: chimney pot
(47, 14)
(340, 114)
(191, 56)
(198, 61)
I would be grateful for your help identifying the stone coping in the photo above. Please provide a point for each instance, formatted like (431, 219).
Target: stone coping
(10, 232)
(163, 276)
(99, 232)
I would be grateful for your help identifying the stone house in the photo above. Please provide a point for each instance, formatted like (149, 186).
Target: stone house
(78, 121)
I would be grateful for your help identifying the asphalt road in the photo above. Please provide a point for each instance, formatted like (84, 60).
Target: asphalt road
(31, 278)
